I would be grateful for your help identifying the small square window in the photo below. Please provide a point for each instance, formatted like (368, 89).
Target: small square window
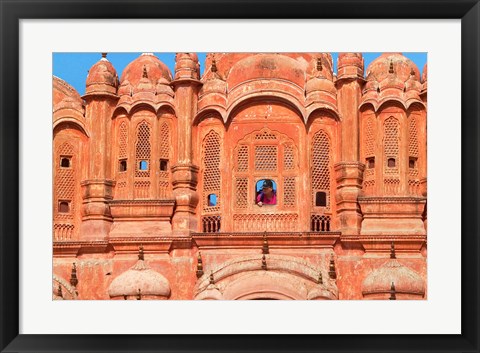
(212, 200)
(143, 165)
(64, 206)
(321, 199)
(164, 165)
(412, 162)
(266, 192)
(65, 162)
(391, 163)
(371, 163)
(123, 165)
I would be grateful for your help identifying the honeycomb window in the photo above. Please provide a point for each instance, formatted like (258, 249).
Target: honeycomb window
(212, 200)
(412, 162)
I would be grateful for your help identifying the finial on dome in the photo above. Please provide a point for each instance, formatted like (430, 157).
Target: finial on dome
(104, 55)
(214, 65)
(73, 276)
(59, 291)
(199, 265)
(393, 292)
(145, 75)
(264, 262)
(319, 64)
(412, 72)
(390, 70)
(139, 294)
(320, 278)
(332, 271)
(141, 253)
(210, 278)
(392, 251)
(265, 249)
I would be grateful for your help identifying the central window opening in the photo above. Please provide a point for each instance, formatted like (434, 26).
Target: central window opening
(143, 165)
(266, 192)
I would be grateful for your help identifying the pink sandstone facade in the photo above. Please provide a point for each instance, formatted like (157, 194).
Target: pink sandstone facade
(156, 173)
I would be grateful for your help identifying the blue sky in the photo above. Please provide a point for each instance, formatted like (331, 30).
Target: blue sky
(73, 67)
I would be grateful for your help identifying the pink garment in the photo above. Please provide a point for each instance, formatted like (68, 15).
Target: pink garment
(263, 198)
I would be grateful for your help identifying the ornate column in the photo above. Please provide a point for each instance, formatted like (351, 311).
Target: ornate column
(101, 99)
(349, 172)
(184, 174)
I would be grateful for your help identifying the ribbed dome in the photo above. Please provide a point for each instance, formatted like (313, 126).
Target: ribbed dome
(406, 280)
(147, 64)
(139, 277)
(102, 77)
(402, 66)
(266, 66)
(213, 85)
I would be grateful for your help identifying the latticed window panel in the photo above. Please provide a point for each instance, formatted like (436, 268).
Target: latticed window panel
(211, 224)
(268, 222)
(288, 157)
(242, 159)
(412, 137)
(143, 149)
(164, 141)
(391, 144)
(289, 192)
(369, 134)
(266, 158)
(241, 189)
(265, 135)
(211, 170)
(141, 189)
(123, 141)
(65, 181)
(319, 223)
(369, 186)
(320, 169)
(392, 186)
(163, 189)
(63, 231)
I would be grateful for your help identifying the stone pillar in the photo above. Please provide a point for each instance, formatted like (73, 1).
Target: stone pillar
(97, 190)
(184, 174)
(349, 172)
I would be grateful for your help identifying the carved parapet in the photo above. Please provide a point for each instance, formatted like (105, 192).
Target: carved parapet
(392, 215)
(142, 210)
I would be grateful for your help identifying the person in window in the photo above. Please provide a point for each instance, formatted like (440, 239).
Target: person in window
(267, 196)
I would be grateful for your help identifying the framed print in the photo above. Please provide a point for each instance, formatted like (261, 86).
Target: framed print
(219, 159)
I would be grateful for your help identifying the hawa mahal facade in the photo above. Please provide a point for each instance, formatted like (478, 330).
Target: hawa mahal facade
(157, 177)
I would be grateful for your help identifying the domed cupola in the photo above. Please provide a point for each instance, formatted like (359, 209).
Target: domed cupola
(139, 282)
(350, 65)
(163, 87)
(214, 88)
(371, 89)
(187, 66)
(393, 280)
(391, 84)
(102, 78)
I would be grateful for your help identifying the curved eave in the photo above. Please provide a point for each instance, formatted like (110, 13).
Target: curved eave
(312, 108)
(278, 96)
(217, 110)
(70, 120)
(155, 107)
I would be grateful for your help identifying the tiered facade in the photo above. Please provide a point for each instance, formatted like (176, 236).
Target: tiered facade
(156, 178)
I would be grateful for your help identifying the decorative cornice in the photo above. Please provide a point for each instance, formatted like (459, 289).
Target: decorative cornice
(143, 202)
(391, 199)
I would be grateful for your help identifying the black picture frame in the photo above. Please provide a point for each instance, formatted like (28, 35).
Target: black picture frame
(13, 11)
